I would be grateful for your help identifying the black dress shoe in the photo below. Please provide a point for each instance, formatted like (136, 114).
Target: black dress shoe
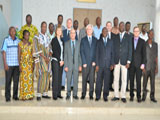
(62, 88)
(71, 88)
(143, 99)
(8, 100)
(83, 97)
(127, 90)
(91, 97)
(97, 99)
(115, 99)
(105, 99)
(54, 98)
(131, 99)
(75, 97)
(139, 100)
(38, 98)
(46, 97)
(154, 100)
(68, 97)
(124, 100)
(111, 89)
(60, 97)
(16, 99)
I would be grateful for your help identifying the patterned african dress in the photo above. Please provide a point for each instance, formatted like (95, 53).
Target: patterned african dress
(26, 75)
(32, 30)
(41, 44)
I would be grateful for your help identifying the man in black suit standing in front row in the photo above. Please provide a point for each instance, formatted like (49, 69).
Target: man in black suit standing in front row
(104, 63)
(122, 59)
(137, 63)
(88, 55)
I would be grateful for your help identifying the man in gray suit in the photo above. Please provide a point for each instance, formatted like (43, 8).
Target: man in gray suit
(82, 32)
(72, 63)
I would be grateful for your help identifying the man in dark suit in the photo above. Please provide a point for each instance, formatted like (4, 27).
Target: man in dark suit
(104, 63)
(66, 37)
(151, 66)
(122, 60)
(111, 36)
(88, 55)
(137, 63)
(127, 29)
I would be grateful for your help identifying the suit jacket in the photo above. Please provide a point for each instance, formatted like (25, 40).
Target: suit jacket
(56, 49)
(66, 37)
(112, 36)
(138, 54)
(104, 54)
(82, 33)
(122, 50)
(88, 54)
(68, 57)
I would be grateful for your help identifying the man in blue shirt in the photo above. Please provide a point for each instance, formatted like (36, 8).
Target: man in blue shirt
(98, 28)
(11, 65)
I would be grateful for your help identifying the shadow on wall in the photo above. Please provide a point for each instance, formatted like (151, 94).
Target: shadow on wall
(3, 34)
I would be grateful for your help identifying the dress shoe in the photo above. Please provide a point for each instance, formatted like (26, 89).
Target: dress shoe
(111, 89)
(105, 99)
(8, 100)
(115, 99)
(97, 99)
(75, 97)
(60, 97)
(67, 97)
(131, 99)
(16, 99)
(154, 100)
(139, 100)
(143, 99)
(71, 88)
(83, 97)
(46, 97)
(38, 98)
(91, 97)
(124, 100)
(62, 88)
(54, 98)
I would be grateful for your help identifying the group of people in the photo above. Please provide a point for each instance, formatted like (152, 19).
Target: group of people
(107, 56)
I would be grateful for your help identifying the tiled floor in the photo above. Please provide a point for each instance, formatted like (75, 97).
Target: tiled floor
(80, 109)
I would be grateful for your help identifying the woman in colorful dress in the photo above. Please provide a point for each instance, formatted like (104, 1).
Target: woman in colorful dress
(25, 49)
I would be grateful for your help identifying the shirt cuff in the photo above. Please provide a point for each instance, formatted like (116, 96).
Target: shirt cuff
(128, 62)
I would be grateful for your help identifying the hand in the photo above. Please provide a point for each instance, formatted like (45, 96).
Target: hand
(47, 60)
(40, 54)
(156, 71)
(97, 68)
(85, 65)
(127, 65)
(93, 63)
(80, 68)
(6, 67)
(142, 67)
(61, 63)
(144, 71)
(66, 69)
(112, 67)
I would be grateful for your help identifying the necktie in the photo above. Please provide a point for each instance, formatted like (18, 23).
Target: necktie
(68, 32)
(120, 37)
(73, 50)
(90, 41)
(105, 41)
(76, 36)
